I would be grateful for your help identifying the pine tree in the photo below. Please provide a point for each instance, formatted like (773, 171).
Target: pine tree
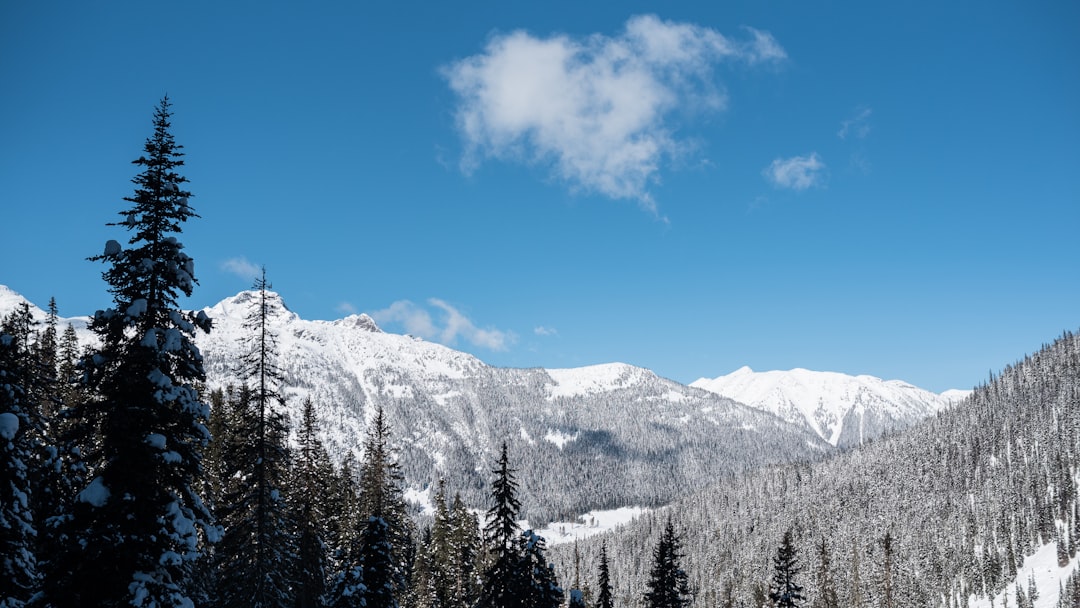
(18, 563)
(312, 471)
(786, 592)
(603, 583)
(540, 588)
(378, 551)
(258, 547)
(826, 586)
(466, 543)
(502, 581)
(667, 586)
(141, 514)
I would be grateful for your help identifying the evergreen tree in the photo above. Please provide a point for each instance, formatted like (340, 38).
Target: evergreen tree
(826, 586)
(257, 549)
(466, 543)
(312, 471)
(502, 583)
(377, 553)
(667, 586)
(135, 527)
(785, 592)
(381, 575)
(540, 588)
(18, 564)
(603, 583)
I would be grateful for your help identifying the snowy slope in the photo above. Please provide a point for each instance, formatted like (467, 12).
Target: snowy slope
(591, 438)
(841, 409)
(587, 439)
(10, 299)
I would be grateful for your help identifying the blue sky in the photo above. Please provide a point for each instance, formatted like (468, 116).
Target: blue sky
(690, 187)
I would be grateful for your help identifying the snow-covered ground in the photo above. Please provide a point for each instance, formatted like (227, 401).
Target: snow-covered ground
(1049, 578)
(589, 524)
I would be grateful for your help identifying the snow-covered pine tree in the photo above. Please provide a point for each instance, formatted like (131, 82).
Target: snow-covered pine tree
(667, 586)
(257, 552)
(382, 499)
(603, 583)
(378, 550)
(311, 473)
(501, 582)
(466, 543)
(18, 563)
(540, 588)
(786, 592)
(135, 528)
(826, 585)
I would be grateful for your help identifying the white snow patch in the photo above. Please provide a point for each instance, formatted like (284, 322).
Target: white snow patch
(112, 247)
(1043, 566)
(9, 425)
(593, 379)
(589, 524)
(560, 438)
(156, 440)
(421, 498)
(96, 494)
(527, 437)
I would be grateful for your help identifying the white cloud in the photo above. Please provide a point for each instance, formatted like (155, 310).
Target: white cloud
(858, 125)
(452, 325)
(347, 308)
(594, 109)
(545, 331)
(242, 268)
(797, 172)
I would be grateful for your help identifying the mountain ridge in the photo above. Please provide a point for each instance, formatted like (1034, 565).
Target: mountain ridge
(843, 410)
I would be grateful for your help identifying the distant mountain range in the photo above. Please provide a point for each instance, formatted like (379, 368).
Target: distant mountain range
(588, 438)
(841, 409)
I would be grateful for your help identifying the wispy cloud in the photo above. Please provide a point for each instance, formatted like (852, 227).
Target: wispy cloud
(545, 331)
(242, 268)
(451, 325)
(797, 172)
(858, 125)
(595, 109)
(346, 308)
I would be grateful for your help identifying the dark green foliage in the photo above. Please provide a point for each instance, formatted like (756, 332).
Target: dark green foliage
(540, 588)
(312, 471)
(257, 557)
(667, 585)
(603, 583)
(18, 416)
(502, 580)
(142, 432)
(785, 591)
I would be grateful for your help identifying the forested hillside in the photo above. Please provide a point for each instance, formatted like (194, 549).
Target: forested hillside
(939, 515)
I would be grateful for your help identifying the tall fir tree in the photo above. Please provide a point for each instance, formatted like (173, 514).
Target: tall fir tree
(377, 556)
(604, 598)
(258, 549)
(667, 586)
(312, 470)
(786, 592)
(502, 584)
(540, 587)
(466, 545)
(18, 550)
(135, 527)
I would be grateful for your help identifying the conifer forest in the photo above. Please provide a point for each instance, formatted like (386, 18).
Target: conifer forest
(128, 479)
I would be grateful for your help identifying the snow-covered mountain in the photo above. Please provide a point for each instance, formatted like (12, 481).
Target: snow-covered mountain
(841, 409)
(598, 437)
